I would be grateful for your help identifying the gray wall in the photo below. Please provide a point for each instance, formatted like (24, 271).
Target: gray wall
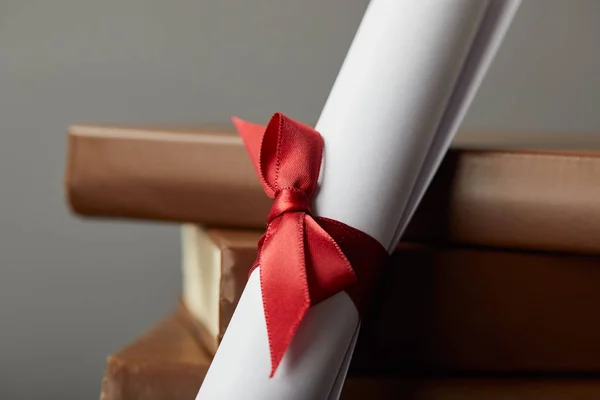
(73, 291)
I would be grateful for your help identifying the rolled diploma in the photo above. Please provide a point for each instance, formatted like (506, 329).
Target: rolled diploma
(379, 123)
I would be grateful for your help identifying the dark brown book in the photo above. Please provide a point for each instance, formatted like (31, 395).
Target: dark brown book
(168, 364)
(507, 198)
(436, 308)
(447, 309)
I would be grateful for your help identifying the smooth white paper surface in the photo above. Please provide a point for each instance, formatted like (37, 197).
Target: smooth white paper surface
(497, 20)
(385, 105)
(241, 368)
(406, 83)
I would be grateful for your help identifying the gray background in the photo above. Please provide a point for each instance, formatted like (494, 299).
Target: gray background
(73, 291)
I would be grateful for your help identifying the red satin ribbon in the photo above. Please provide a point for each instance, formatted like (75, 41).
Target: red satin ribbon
(303, 259)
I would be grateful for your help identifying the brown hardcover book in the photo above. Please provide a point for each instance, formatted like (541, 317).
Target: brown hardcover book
(167, 363)
(436, 309)
(501, 198)
(445, 309)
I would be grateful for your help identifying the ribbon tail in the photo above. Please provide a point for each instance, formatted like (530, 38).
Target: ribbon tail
(328, 269)
(284, 284)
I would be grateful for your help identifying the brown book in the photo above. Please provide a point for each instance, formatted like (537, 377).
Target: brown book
(500, 198)
(442, 309)
(168, 364)
(436, 308)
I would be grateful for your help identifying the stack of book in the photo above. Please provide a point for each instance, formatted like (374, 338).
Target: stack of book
(492, 294)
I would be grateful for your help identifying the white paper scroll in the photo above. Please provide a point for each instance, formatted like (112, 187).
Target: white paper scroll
(406, 83)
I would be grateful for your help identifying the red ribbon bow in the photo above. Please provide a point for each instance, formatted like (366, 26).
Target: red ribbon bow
(303, 259)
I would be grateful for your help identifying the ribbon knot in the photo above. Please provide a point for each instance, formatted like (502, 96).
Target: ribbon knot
(289, 200)
(300, 262)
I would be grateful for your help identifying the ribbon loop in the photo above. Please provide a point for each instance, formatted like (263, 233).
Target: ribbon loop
(286, 154)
